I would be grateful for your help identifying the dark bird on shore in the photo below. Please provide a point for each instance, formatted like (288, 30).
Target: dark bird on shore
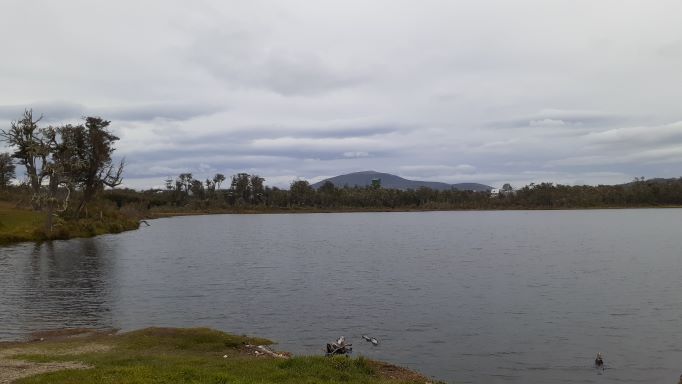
(599, 361)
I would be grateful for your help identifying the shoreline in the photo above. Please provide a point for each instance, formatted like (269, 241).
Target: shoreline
(165, 214)
(30, 229)
(200, 355)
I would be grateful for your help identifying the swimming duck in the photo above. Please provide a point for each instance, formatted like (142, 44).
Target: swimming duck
(599, 361)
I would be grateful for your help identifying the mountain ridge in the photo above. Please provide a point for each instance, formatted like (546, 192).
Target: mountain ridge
(390, 181)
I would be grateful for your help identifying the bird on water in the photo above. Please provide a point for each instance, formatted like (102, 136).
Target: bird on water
(599, 361)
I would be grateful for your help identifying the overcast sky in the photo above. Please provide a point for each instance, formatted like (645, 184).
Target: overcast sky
(576, 92)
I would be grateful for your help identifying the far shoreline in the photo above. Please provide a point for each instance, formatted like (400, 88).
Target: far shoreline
(165, 214)
(29, 236)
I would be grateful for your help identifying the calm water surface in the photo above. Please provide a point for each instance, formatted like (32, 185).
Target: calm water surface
(468, 297)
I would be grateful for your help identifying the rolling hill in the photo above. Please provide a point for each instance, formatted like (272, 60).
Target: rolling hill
(363, 179)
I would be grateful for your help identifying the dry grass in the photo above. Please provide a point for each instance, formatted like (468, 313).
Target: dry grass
(18, 224)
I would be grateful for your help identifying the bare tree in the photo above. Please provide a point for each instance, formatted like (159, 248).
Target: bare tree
(218, 180)
(184, 181)
(85, 153)
(67, 157)
(31, 148)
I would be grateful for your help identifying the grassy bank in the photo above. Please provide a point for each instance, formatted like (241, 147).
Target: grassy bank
(18, 224)
(171, 355)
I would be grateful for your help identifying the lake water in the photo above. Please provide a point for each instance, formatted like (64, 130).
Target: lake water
(467, 297)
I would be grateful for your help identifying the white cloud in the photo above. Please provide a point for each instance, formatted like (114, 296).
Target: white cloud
(438, 169)
(356, 154)
(638, 135)
(547, 123)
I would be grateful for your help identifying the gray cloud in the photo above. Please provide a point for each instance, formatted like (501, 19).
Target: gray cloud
(169, 111)
(638, 136)
(51, 111)
(565, 118)
(61, 111)
(239, 59)
(490, 91)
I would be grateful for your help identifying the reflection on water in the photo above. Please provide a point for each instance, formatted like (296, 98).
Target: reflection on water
(53, 285)
(470, 297)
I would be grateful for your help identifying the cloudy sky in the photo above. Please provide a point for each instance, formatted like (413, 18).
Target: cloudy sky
(576, 92)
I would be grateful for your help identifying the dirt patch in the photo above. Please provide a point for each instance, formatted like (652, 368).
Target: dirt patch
(391, 371)
(71, 333)
(35, 349)
(12, 369)
(262, 351)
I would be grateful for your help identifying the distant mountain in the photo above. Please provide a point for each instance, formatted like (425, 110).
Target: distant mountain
(657, 180)
(363, 179)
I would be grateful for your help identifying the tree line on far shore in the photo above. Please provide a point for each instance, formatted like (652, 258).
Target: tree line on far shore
(248, 192)
(70, 167)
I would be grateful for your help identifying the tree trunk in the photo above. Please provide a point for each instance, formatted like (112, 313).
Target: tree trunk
(52, 190)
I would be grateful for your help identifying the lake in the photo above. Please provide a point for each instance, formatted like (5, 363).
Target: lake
(467, 297)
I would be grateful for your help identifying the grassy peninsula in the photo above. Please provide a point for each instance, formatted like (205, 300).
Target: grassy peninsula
(172, 355)
(19, 224)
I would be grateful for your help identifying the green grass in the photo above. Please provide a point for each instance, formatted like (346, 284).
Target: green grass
(168, 355)
(17, 225)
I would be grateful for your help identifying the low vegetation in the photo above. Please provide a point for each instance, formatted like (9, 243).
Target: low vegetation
(247, 194)
(20, 223)
(116, 210)
(171, 355)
